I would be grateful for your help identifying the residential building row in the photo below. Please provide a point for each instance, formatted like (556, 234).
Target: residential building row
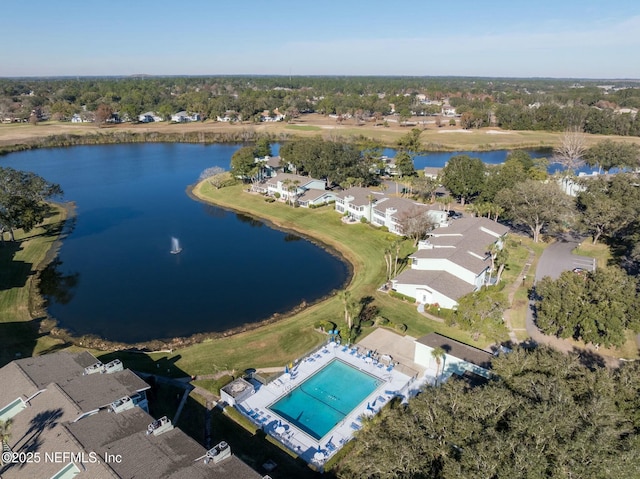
(454, 260)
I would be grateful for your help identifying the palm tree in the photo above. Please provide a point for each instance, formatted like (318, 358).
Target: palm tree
(439, 355)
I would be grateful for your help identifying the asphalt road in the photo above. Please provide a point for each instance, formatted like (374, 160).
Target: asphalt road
(554, 260)
(558, 258)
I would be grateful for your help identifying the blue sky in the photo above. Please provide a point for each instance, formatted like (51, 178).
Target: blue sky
(561, 38)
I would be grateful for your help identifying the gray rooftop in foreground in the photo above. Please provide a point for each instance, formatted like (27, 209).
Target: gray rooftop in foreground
(459, 350)
(53, 422)
(171, 455)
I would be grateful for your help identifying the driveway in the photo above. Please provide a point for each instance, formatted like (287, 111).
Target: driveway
(554, 260)
(558, 258)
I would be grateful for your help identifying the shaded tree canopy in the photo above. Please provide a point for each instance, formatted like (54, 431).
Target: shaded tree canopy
(610, 154)
(243, 163)
(23, 197)
(330, 160)
(608, 206)
(464, 177)
(534, 205)
(545, 415)
(596, 307)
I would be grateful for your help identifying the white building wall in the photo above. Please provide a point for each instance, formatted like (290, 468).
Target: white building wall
(424, 295)
(449, 365)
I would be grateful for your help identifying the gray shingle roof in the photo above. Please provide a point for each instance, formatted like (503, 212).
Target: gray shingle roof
(47, 425)
(98, 390)
(360, 195)
(445, 283)
(457, 349)
(170, 455)
(53, 368)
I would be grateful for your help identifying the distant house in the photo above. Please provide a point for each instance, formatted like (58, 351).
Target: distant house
(184, 117)
(229, 116)
(460, 359)
(452, 262)
(76, 118)
(149, 117)
(448, 110)
(432, 172)
(268, 116)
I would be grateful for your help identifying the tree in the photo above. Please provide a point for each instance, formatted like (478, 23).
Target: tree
(610, 154)
(569, 154)
(262, 148)
(404, 164)
(464, 177)
(410, 142)
(596, 308)
(481, 312)
(104, 113)
(415, 223)
(545, 414)
(23, 197)
(424, 187)
(534, 205)
(243, 164)
(607, 206)
(439, 355)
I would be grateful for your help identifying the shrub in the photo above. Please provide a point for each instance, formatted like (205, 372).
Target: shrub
(270, 200)
(363, 220)
(276, 195)
(401, 296)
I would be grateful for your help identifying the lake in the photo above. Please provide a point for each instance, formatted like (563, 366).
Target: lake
(123, 284)
(115, 276)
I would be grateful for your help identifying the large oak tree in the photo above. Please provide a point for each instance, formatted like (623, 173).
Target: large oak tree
(23, 200)
(534, 205)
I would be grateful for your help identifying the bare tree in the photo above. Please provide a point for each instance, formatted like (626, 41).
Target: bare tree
(415, 224)
(103, 114)
(571, 150)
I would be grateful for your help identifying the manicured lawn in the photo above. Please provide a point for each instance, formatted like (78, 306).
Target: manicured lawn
(20, 334)
(303, 127)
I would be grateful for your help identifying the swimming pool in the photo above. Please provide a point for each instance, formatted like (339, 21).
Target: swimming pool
(326, 398)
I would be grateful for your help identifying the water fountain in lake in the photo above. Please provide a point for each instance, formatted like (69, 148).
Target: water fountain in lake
(175, 246)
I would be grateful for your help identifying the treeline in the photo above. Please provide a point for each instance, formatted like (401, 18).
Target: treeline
(529, 104)
(544, 415)
(121, 136)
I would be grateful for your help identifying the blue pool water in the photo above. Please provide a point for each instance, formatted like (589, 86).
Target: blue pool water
(323, 400)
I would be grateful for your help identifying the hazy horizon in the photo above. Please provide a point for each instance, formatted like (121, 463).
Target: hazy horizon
(573, 39)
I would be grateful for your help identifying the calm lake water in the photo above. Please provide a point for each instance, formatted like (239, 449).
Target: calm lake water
(130, 201)
(116, 277)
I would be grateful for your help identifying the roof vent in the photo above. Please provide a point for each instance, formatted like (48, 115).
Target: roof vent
(94, 368)
(121, 404)
(113, 366)
(159, 426)
(218, 453)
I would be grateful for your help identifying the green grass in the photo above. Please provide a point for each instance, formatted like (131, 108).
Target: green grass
(599, 251)
(22, 322)
(303, 127)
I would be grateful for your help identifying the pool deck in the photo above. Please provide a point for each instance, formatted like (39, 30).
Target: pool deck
(394, 384)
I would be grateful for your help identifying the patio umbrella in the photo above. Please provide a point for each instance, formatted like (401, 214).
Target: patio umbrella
(286, 369)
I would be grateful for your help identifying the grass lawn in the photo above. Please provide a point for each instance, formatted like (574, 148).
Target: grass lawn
(20, 334)
(599, 251)
(303, 127)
